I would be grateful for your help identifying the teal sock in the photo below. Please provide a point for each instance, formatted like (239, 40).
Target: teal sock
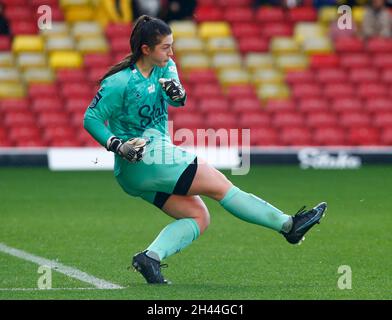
(250, 208)
(174, 237)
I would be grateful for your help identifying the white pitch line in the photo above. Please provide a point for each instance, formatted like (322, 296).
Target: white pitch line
(51, 289)
(59, 267)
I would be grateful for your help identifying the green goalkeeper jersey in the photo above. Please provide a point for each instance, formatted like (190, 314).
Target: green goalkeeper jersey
(131, 105)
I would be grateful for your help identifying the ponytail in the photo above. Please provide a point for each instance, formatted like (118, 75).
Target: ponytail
(147, 30)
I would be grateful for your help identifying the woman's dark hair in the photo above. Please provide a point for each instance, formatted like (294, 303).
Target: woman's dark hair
(147, 30)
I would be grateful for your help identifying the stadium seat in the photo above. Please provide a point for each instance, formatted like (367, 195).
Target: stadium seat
(349, 45)
(280, 105)
(6, 59)
(298, 14)
(302, 76)
(58, 29)
(327, 14)
(286, 119)
(242, 91)
(252, 44)
(213, 105)
(295, 136)
(306, 91)
(234, 3)
(312, 104)
(24, 28)
(70, 75)
(372, 90)
(47, 104)
(74, 90)
(204, 14)
(222, 61)
(186, 120)
(246, 104)
(245, 29)
(363, 136)
(202, 76)
(206, 90)
(363, 75)
(348, 104)
(221, 45)
(214, 29)
(12, 90)
(329, 137)
(308, 30)
(12, 104)
(266, 14)
(292, 62)
(354, 119)
(180, 29)
(75, 14)
(38, 75)
(60, 43)
(219, 120)
(378, 105)
(254, 61)
(321, 45)
(263, 136)
(342, 90)
(68, 59)
(232, 77)
(77, 104)
(382, 60)
(322, 61)
(273, 91)
(355, 60)
(31, 60)
(276, 29)
(23, 132)
(386, 137)
(383, 119)
(86, 29)
(191, 62)
(54, 119)
(284, 45)
(5, 43)
(253, 119)
(43, 90)
(321, 120)
(92, 45)
(379, 45)
(238, 14)
(10, 75)
(261, 76)
(331, 75)
(189, 45)
(58, 132)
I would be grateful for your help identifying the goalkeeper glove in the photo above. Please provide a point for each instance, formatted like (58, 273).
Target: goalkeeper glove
(173, 88)
(131, 150)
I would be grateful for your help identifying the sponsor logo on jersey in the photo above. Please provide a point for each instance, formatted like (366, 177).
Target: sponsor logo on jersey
(96, 99)
(151, 88)
(172, 69)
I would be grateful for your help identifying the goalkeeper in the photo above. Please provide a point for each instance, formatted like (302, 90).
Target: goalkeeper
(133, 100)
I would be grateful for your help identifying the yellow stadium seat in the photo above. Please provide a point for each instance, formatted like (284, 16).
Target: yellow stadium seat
(358, 14)
(255, 61)
(284, 45)
(306, 30)
(60, 43)
(221, 44)
(194, 61)
(214, 29)
(68, 3)
(292, 62)
(327, 14)
(226, 60)
(27, 43)
(230, 77)
(9, 74)
(6, 59)
(273, 91)
(188, 45)
(12, 90)
(317, 46)
(57, 29)
(65, 59)
(263, 76)
(185, 28)
(79, 13)
(86, 29)
(38, 75)
(92, 45)
(31, 60)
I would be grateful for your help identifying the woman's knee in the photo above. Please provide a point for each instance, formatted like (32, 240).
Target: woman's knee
(202, 217)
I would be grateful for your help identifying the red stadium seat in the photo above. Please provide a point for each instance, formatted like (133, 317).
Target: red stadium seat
(221, 120)
(70, 75)
(312, 105)
(379, 45)
(321, 120)
(59, 132)
(355, 60)
(15, 2)
(233, 3)
(331, 75)
(33, 142)
(339, 90)
(299, 14)
(382, 60)
(354, 119)
(65, 142)
(372, 90)
(13, 13)
(379, 105)
(386, 137)
(320, 61)
(202, 76)
(238, 14)
(266, 14)
(120, 45)
(282, 29)
(47, 104)
(245, 29)
(189, 120)
(300, 90)
(81, 90)
(280, 105)
(19, 118)
(263, 136)
(383, 119)
(339, 104)
(47, 90)
(349, 45)
(295, 136)
(86, 139)
(24, 27)
(363, 75)
(207, 90)
(118, 30)
(363, 136)
(253, 120)
(252, 44)
(208, 13)
(14, 104)
(53, 119)
(5, 43)
(305, 76)
(77, 104)
(286, 119)
(24, 132)
(240, 91)
(329, 137)
(96, 73)
(213, 105)
(246, 105)
(386, 76)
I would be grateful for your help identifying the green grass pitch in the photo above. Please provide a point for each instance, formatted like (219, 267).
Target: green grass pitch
(84, 220)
